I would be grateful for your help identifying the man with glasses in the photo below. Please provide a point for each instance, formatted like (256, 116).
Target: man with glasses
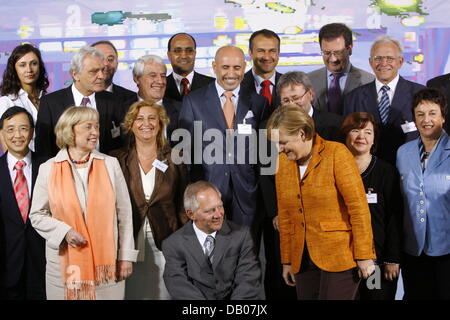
(388, 98)
(181, 51)
(339, 76)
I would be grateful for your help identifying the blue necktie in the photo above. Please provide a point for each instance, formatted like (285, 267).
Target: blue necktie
(384, 104)
(334, 94)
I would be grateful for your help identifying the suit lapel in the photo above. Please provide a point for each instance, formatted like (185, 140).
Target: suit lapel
(159, 178)
(243, 107)
(8, 188)
(323, 96)
(353, 80)
(371, 101)
(440, 154)
(222, 242)
(135, 183)
(172, 85)
(102, 108)
(316, 157)
(398, 101)
(193, 246)
(213, 108)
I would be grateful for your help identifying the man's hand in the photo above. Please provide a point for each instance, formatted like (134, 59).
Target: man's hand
(288, 276)
(391, 271)
(275, 223)
(124, 269)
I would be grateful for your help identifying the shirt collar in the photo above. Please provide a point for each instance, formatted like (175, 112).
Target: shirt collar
(178, 78)
(259, 79)
(12, 160)
(110, 88)
(392, 85)
(221, 90)
(344, 72)
(201, 236)
(78, 97)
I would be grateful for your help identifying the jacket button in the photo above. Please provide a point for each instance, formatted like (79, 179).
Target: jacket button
(298, 196)
(303, 224)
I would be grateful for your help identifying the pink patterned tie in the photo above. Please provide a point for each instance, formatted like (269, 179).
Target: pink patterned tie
(85, 101)
(21, 190)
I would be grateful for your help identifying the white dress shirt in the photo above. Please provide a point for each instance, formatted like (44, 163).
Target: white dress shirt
(78, 97)
(392, 85)
(27, 169)
(178, 79)
(259, 80)
(201, 236)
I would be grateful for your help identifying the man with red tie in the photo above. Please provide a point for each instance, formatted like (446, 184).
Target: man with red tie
(22, 250)
(264, 50)
(181, 51)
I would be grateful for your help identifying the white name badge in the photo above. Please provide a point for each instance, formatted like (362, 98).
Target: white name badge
(161, 166)
(115, 131)
(244, 128)
(409, 127)
(372, 198)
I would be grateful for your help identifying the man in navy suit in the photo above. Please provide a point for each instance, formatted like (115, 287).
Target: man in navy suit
(87, 70)
(181, 50)
(388, 98)
(22, 249)
(264, 50)
(224, 106)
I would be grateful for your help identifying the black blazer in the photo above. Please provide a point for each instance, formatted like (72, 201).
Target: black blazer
(364, 98)
(22, 248)
(198, 81)
(443, 83)
(248, 83)
(172, 107)
(122, 95)
(327, 124)
(54, 104)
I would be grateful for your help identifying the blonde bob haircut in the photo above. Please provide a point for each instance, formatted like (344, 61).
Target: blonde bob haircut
(132, 114)
(291, 119)
(71, 117)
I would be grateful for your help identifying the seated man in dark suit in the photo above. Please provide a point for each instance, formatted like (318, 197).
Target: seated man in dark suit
(443, 83)
(149, 74)
(388, 98)
(22, 249)
(209, 258)
(264, 50)
(111, 63)
(87, 70)
(181, 51)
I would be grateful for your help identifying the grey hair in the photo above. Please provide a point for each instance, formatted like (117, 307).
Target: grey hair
(294, 78)
(386, 39)
(76, 64)
(138, 69)
(190, 194)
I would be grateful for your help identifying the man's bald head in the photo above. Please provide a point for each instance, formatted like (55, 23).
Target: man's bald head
(229, 67)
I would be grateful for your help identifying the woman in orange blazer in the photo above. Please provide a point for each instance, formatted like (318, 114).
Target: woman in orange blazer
(324, 218)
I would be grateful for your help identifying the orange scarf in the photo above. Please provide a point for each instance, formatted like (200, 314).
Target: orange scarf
(85, 267)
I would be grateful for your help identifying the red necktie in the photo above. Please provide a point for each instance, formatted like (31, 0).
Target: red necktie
(184, 86)
(21, 190)
(228, 109)
(266, 91)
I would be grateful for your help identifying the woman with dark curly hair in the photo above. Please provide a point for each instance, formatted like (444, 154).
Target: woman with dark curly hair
(24, 82)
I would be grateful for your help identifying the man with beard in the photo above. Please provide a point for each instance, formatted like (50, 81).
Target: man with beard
(264, 50)
(181, 52)
(339, 76)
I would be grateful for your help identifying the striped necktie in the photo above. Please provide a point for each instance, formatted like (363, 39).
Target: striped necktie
(384, 104)
(209, 247)
(423, 155)
(21, 190)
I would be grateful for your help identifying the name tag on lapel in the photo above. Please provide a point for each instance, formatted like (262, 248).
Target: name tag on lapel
(409, 127)
(161, 166)
(372, 198)
(115, 131)
(244, 128)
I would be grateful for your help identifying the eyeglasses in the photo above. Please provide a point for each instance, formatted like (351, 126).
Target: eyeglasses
(336, 53)
(294, 99)
(378, 59)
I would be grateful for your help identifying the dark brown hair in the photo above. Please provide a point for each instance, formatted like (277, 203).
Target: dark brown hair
(359, 120)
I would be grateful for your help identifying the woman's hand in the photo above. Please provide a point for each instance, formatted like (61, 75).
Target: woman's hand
(288, 276)
(365, 268)
(275, 223)
(75, 239)
(391, 271)
(124, 269)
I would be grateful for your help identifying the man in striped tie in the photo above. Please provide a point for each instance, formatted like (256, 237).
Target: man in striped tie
(22, 250)
(388, 98)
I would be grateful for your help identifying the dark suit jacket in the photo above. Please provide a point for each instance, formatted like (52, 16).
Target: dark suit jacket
(233, 180)
(172, 107)
(234, 274)
(248, 83)
(198, 81)
(392, 137)
(443, 83)
(165, 210)
(23, 249)
(122, 95)
(54, 104)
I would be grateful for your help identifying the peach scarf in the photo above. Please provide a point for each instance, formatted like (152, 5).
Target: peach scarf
(85, 267)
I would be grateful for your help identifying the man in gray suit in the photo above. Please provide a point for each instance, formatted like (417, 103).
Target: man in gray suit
(209, 258)
(339, 76)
